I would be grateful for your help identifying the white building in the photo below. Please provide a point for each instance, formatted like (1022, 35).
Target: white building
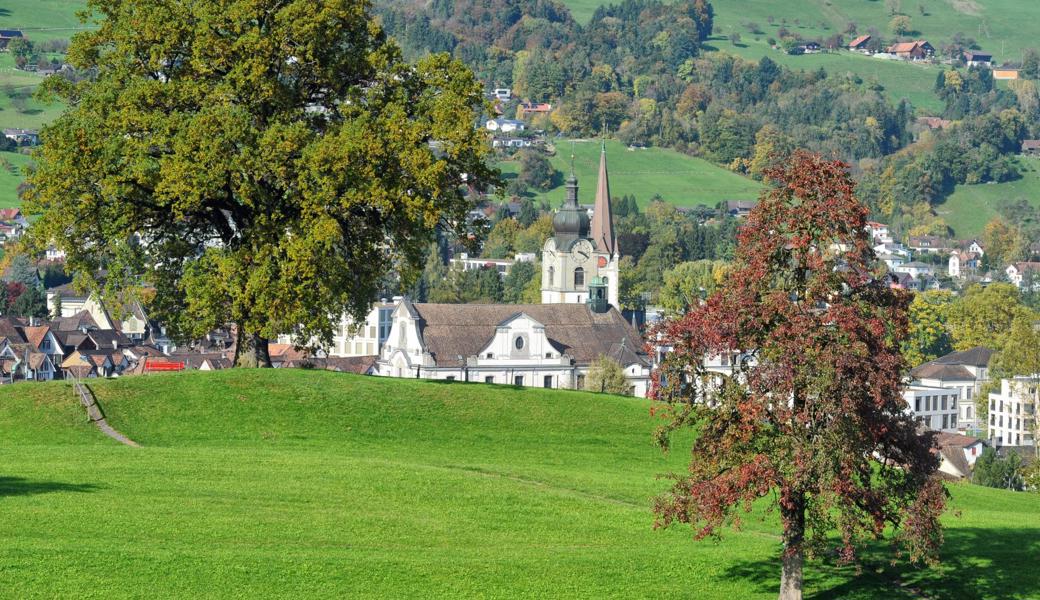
(466, 262)
(533, 345)
(962, 372)
(1019, 272)
(892, 261)
(505, 125)
(581, 251)
(915, 269)
(932, 407)
(963, 264)
(958, 454)
(879, 232)
(364, 339)
(502, 93)
(1012, 412)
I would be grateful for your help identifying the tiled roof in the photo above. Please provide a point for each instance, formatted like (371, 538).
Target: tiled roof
(955, 440)
(453, 330)
(35, 335)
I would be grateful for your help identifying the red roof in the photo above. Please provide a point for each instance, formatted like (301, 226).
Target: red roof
(152, 365)
(859, 41)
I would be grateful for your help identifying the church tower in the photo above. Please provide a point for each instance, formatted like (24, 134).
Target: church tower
(579, 251)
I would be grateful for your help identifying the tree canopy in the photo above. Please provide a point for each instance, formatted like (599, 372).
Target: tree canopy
(815, 395)
(258, 162)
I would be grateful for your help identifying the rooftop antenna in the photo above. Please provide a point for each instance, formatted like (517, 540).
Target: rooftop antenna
(572, 158)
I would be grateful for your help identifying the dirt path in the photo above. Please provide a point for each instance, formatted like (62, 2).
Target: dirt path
(89, 402)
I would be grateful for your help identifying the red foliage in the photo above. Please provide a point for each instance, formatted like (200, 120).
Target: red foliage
(815, 410)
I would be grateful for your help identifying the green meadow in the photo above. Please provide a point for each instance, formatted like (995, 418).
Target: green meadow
(970, 207)
(42, 19)
(12, 167)
(305, 483)
(643, 172)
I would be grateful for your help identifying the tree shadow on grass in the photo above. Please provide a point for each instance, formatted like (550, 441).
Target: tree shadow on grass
(20, 486)
(976, 563)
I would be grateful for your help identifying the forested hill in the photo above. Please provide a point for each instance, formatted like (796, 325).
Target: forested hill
(652, 73)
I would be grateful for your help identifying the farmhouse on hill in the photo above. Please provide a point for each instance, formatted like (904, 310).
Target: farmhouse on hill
(6, 35)
(1031, 147)
(915, 50)
(978, 59)
(860, 44)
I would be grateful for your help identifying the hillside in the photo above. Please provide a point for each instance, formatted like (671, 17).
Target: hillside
(970, 207)
(680, 179)
(256, 483)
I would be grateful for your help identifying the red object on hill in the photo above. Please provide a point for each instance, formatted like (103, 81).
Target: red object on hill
(153, 364)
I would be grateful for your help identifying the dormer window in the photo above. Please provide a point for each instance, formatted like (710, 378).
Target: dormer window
(518, 343)
(490, 355)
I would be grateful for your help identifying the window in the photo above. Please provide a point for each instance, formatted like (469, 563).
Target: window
(967, 412)
(547, 381)
(580, 385)
(969, 391)
(579, 277)
(490, 355)
(548, 355)
(917, 405)
(552, 276)
(518, 380)
(519, 343)
(451, 378)
(944, 402)
(489, 379)
(973, 450)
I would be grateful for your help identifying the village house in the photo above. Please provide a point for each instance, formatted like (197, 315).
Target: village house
(1031, 147)
(23, 137)
(879, 233)
(962, 264)
(978, 59)
(808, 48)
(958, 454)
(860, 44)
(915, 50)
(511, 142)
(915, 269)
(7, 35)
(505, 125)
(527, 109)
(1012, 412)
(465, 262)
(503, 94)
(739, 208)
(928, 243)
(965, 373)
(1024, 273)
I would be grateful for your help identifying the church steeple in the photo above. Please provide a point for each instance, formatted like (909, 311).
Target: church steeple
(602, 220)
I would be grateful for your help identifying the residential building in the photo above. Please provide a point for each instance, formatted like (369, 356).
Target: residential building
(965, 373)
(932, 407)
(892, 261)
(928, 243)
(581, 250)
(978, 59)
(532, 345)
(527, 109)
(860, 44)
(1012, 412)
(915, 269)
(739, 208)
(23, 137)
(6, 35)
(503, 94)
(958, 454)
(962, 264)
(505, 125)
(894, 248)
(879, 233)
(915, 50)
(1020, 273)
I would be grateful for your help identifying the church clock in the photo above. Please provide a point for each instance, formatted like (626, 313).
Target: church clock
(582, 251)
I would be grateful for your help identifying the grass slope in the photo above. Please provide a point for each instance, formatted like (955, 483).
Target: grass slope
(12, 167)
(679, 179)
(43, 19)
(970, 207)
(321, 484)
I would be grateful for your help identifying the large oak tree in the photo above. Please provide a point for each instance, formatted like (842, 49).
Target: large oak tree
(257, 162)
(812, 417)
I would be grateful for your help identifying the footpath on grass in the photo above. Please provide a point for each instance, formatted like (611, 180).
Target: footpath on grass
(97, 417)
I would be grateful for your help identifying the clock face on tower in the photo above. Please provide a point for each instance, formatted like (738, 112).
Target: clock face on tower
(602, 262)
(582, 251)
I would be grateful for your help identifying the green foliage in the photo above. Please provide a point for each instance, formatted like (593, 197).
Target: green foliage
(276, 176)
(23, 271)
(688, 283)
(31, 303)
(537, 172)
(998, 472)
(927, 335)
(520, 275)
(982, 316)
(607, 376)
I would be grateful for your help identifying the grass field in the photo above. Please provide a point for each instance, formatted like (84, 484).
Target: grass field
(970, 207)
(680, 179)
(300, 483)
(42, 19)
(11, 174)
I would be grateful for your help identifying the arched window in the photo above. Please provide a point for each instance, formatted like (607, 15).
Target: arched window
(552, 276)
(579, 277)
(606, 281)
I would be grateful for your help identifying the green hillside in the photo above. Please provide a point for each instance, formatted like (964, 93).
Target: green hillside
(11, 175)
(970, 207)
(679, 179)
(43, 19)
(303, 483)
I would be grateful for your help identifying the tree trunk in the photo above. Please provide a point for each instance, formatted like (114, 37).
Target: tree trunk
(793, 557)
(252, 351)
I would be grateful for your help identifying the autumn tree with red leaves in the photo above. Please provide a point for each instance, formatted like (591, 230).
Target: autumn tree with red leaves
(811, 416)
